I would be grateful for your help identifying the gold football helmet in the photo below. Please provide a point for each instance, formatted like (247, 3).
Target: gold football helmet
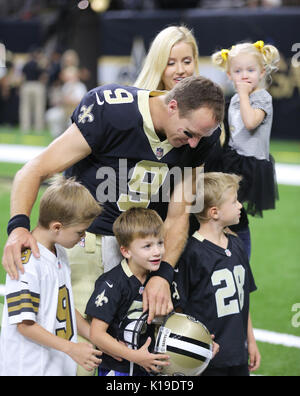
(186, 340)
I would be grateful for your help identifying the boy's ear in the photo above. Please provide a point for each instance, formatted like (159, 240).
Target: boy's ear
(55, 226)
(214, 213)
(125, 252)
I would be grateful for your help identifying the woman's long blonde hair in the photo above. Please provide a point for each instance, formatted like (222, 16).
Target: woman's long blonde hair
(157, 58)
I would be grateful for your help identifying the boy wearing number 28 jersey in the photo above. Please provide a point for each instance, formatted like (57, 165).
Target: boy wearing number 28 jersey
(214, 279)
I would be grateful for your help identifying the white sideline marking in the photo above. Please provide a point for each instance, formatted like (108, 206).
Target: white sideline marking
(288, 174)
(285, 173)
(2, 290)
(17, 153)
(271, 337)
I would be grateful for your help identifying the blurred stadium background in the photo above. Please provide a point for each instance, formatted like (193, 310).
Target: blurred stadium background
(106, 41)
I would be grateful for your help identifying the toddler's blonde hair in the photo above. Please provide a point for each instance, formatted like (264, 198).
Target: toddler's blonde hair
(267, 56)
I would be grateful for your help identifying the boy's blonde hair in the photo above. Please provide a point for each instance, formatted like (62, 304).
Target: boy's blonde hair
(68, 202)
(137, 223)
(213, 190)
(156, 61)
(267, 56)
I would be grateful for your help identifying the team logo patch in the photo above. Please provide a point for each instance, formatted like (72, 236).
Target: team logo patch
(141, 290)
(85, 114)
(81, 243)
(159, 152)
(228, 253)
(101, 299)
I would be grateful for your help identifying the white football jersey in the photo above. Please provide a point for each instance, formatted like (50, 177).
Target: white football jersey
(42, 294)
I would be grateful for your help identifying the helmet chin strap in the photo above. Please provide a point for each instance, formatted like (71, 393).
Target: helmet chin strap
(131, 369)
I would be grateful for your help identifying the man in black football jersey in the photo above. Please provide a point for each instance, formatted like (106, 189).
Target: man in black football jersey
(121, 145)
(214, 279)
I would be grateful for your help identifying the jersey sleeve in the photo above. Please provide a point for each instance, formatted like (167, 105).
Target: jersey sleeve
(90, 119)
(23, 295)
(105, 300)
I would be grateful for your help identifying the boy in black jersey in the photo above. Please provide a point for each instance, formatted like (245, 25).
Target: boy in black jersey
(214, 279)
(140, 236)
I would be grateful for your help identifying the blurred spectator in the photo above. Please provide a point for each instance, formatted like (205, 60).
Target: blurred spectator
(33, 94)
(9, 93)
(54, 68)
(69, 58)
(65, 100)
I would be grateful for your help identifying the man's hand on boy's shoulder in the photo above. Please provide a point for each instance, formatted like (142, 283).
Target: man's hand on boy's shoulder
(18, 240)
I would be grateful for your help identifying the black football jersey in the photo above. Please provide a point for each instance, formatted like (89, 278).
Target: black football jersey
(116, 293)
(214, 285)
(129, 165)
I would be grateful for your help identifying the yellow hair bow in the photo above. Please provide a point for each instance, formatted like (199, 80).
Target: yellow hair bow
(224, 54)
(259, 45)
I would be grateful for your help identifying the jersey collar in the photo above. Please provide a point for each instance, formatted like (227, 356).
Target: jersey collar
(227, 252)
(160, 149)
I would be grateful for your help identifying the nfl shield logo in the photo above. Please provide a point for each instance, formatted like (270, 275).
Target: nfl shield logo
(159, 152)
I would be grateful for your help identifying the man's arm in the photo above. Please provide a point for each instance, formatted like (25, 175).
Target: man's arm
(156, 296)
(65, 151)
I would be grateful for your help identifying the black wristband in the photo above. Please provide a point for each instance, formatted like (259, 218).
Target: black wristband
(19, 220)
(165, 271)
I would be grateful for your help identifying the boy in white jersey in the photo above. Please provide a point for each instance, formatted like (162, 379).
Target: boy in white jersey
(40, 323)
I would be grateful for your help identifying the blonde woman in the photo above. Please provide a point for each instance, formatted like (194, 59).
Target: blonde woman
(173, 55)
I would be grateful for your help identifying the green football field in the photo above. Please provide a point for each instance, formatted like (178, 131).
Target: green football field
(275, 306)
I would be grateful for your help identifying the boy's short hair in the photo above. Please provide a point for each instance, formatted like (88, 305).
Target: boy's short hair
(137, 223)
(196, 92)
(213, 190)
(68, 202)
